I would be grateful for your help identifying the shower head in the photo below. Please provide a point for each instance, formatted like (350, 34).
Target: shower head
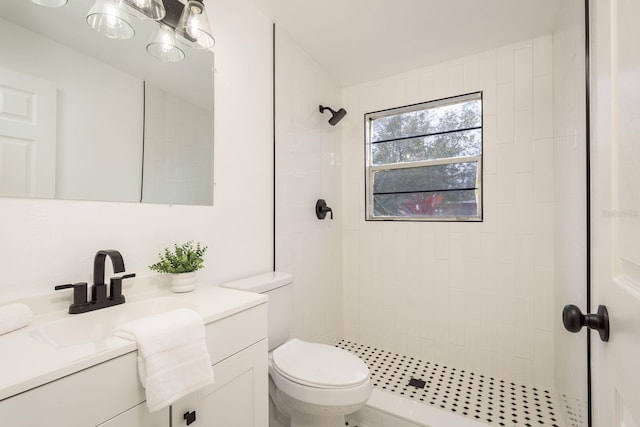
(336, 116)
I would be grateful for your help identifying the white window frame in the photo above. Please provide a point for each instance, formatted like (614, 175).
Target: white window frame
(371, 168)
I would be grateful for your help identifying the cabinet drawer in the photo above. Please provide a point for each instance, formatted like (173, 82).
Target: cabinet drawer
(230, 335)
(86, 398)
(139, 416)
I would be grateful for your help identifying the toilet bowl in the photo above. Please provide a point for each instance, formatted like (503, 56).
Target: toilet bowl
(317, 384)
(310, 384)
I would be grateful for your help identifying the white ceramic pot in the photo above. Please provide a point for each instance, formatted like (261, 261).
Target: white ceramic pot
(183, 282)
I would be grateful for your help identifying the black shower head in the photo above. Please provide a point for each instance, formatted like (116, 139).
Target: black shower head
(336, 116)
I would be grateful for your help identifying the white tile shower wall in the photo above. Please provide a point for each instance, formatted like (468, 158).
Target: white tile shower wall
(45, 242)
(307, 169)
(178, 151)
(473, 295)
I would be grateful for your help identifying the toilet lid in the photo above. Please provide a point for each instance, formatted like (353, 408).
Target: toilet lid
(319, 365)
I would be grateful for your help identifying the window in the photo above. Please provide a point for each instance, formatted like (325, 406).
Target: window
(424, 161)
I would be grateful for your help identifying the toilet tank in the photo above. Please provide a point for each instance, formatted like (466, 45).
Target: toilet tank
(278, 287)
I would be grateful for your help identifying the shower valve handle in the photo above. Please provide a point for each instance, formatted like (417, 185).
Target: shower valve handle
(322, 209)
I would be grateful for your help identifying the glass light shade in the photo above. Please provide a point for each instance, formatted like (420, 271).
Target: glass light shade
(193, 26)
(163, 45)
(109, 20)
(143, 9)
(50, 3)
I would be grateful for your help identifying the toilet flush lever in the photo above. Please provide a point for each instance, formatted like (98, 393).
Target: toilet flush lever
(322, 209)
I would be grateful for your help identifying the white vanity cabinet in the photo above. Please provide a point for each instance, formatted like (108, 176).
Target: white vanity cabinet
(109, 394)
(237, 398)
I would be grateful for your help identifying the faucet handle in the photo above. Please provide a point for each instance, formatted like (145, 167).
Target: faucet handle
(115, 286)
(79, 293)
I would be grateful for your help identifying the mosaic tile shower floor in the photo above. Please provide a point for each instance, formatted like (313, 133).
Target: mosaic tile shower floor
(493, 401)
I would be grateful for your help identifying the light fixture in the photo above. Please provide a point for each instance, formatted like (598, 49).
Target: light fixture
(193, 26)
(50, 3)
(163, 45)
(143, 9)
(108, 19)
(187, 23)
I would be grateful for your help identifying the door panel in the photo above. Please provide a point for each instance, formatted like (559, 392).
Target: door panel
(616, 210)
(237, 398)
(27, 135)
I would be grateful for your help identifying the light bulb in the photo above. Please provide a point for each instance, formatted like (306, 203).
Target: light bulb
(193, 26)
(163, 45)
(107, 19)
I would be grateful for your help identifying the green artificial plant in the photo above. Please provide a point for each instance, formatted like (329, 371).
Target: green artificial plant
(182, 259)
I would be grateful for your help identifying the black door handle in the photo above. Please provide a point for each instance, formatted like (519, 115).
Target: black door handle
(574, 320)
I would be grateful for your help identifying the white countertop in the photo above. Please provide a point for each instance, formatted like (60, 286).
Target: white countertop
(28, 361)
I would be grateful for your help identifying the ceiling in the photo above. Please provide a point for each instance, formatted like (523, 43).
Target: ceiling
(361, 40)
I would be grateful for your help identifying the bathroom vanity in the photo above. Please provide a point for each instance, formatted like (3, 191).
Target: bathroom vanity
(70, 370)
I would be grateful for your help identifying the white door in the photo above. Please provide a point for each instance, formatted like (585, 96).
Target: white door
(615, 212)
(27, 135)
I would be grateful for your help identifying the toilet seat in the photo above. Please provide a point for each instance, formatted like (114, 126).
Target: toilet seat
(319, 365)
(324, 397)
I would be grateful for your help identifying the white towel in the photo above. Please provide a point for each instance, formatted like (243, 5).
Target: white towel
(14, 316)
(173, 360)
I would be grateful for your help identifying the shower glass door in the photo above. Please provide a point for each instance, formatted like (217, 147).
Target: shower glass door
(571, 223)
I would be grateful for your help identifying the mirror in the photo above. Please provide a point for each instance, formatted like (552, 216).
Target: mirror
(84, 117)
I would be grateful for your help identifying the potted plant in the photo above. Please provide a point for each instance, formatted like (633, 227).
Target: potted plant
(181, 263)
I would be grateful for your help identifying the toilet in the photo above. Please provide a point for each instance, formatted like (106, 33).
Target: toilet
(310, 384)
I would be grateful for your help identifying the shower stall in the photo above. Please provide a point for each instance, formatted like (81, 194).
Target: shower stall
(459, 322)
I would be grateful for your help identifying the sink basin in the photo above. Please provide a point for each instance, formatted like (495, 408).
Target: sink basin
(100, 325)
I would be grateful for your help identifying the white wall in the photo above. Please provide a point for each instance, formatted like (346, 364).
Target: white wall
(473, 295)
(46, 242)
(570, 205)
(307, 169)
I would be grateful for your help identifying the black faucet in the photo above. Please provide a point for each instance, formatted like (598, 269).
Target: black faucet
(99, 297)
(99, 290)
